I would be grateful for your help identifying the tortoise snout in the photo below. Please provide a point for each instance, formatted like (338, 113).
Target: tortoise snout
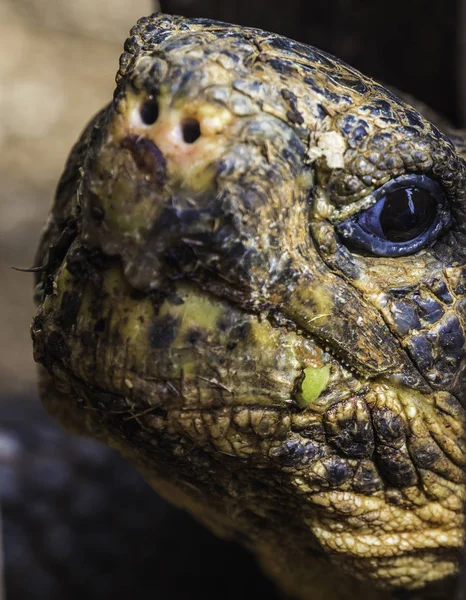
(190, 135)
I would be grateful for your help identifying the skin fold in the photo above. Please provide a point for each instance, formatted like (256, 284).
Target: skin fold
(199, 310)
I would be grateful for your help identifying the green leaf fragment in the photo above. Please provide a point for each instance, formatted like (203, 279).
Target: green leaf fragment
(314, 383)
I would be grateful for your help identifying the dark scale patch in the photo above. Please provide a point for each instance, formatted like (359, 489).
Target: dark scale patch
(321, 112)
(391, 162)
(341, 187)
(391, 454)
(402, 291)
(178, 43)
(396, 466)
(405, 317)
(409, 132)
(413, 118)
(425, 453)
(232, 56)
(171, 219)
(287, 274)
(112, 414)
(296, 49)
(352, 83)
(366, 479)
(71, 301)
(162, 332)
(379, 108)
(222, 325)
(460, 286)
(282, 66)
(293, 116)
(189, 74)
(381, 141)
(349, 429)
(389, 427)
(420, 157)
(420, 349)
(367, 180)
(132, 45)
(314, 431)
(460, 289)
(337, 470)
(327, 93)
(125, 60)
(294, 153)
(360, 133)
(448, 336)
(289, 96)
(394, 99)
(345, 263)
(296, 452)
(429, 309)
(461, 308)
(151, 83)
(87, 340)
(348, 123)
(314, 55)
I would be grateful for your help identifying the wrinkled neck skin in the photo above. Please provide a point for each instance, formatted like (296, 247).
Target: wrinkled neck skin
(198, 310)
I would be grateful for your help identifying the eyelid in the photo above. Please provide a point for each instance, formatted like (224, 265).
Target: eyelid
(400, 182)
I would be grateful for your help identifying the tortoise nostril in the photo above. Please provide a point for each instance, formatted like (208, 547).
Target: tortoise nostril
(149, 112)
(191, 130)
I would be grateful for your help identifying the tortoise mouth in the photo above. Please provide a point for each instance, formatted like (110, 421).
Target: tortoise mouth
(179, 348)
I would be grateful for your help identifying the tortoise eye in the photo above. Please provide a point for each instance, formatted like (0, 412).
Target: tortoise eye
(409, 213)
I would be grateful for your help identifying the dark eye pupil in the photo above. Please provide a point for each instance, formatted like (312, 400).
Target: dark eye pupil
(407, 213)
(149, 112)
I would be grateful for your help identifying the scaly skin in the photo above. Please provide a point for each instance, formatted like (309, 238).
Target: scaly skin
(198, 311)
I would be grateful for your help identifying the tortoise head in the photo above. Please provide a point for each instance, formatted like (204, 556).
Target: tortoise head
(254, 287)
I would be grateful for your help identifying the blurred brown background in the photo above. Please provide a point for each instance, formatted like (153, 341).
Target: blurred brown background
(57, 63)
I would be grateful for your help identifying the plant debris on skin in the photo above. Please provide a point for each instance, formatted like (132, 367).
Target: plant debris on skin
(231, 296)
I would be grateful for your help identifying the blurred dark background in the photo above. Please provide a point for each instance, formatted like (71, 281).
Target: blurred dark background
(76, 521)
